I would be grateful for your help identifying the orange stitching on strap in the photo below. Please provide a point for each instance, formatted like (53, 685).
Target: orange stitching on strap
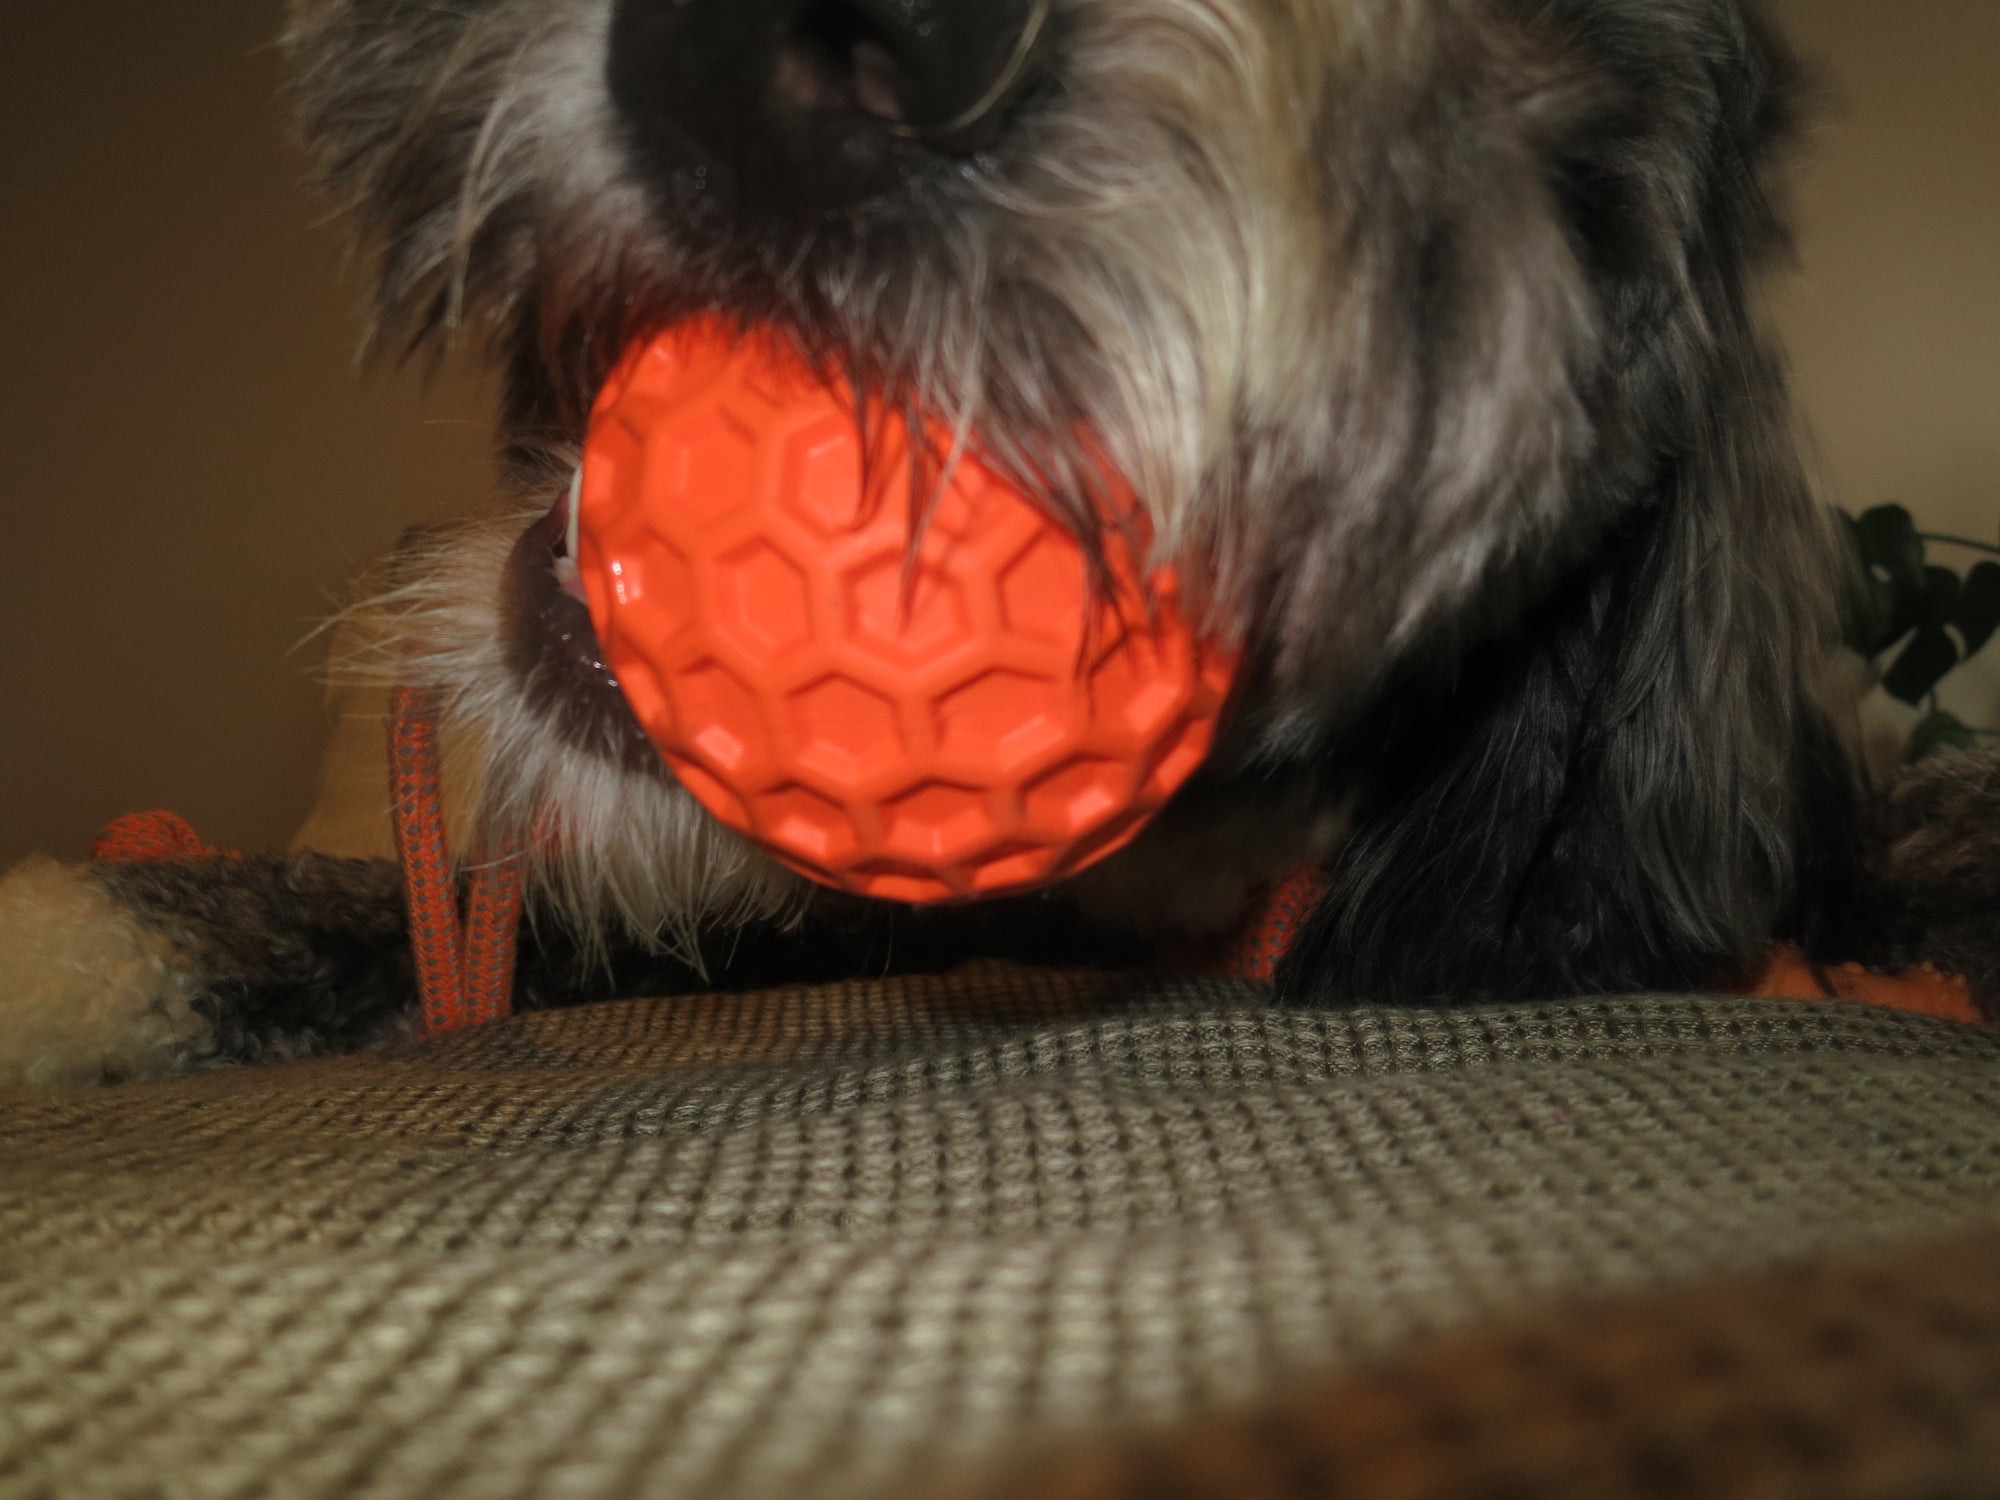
(465, 974)
(1253, 949)
(492, 931)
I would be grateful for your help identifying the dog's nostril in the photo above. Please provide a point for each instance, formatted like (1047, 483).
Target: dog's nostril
(952, 67)
(802, 107)
(834, 57)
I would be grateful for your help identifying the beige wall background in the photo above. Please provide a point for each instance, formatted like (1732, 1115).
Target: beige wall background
(193, 469)
(1893, 315)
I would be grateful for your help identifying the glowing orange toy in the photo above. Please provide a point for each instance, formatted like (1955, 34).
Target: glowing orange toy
(965, 719)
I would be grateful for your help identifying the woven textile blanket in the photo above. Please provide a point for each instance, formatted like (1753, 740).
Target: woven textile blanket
(1009, 1233)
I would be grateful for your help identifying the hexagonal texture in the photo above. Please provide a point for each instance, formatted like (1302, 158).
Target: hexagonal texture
(1041, 591)
(1132, 687)
(721, 718)
(963, 508)
(1080, 796)
(910, 620)
(820, 472)
(1003, 720)
(937, 824)
(1012, 867)
(651, 583)
(762, 599)
(911, 718)
(887, 880)
(704, 475)
(807, 825)
(843, 731)
(1179, 757)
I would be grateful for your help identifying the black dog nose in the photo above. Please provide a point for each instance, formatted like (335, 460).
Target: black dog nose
(813, 103)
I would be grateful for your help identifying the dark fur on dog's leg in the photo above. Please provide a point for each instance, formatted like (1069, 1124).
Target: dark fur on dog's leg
(1586, 841)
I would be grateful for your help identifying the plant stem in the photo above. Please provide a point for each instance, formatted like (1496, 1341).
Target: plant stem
(1958, 541)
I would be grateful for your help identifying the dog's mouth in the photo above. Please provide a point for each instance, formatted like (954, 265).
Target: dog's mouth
(568, 510)
(552, 647)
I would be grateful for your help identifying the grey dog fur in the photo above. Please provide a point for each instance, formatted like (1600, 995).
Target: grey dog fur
(1401, 315)
(1426, 331)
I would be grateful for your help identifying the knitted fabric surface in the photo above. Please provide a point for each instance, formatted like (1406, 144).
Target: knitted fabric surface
(1019, 1233)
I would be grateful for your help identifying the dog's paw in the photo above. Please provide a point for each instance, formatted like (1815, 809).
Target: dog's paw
(88, 992)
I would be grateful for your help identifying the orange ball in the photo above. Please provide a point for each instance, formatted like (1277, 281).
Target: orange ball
(961, 719)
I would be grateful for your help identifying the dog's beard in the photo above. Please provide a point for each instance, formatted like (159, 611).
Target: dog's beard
(611, 848)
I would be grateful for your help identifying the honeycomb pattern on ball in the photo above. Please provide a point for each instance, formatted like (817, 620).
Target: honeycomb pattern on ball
(944, 723)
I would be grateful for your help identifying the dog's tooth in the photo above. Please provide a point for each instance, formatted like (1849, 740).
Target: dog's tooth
(575, 523)
(569, 580)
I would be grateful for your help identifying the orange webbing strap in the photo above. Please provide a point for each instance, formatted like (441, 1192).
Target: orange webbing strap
(1252, 948)
(465, 975)
(139, 837)
(1271, 924)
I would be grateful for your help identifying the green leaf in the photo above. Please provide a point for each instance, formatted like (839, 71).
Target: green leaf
(1876, 620)
(1977, 610)
(1941, 591)
(1890, 592)
(1929, 655)
(1938, 731)
(1898, 609)
(1889, 541)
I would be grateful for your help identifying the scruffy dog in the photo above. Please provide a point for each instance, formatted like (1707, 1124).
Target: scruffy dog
(1424, 328)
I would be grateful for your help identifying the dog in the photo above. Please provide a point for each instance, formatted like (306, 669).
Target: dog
(1424, 329)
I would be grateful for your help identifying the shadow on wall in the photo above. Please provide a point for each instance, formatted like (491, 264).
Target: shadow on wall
(196, 472)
